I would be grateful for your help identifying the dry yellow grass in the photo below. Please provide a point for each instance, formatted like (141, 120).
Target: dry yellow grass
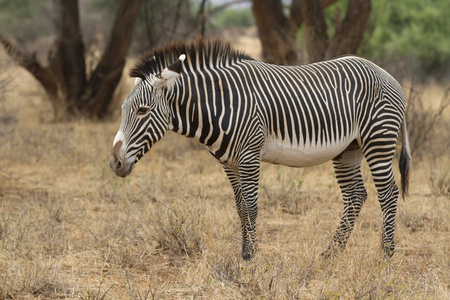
(69, 228)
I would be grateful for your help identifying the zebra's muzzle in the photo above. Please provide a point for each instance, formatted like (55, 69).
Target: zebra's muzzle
(121, 167)
(125, 172)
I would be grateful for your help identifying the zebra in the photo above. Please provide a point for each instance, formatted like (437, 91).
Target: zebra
(246, 111)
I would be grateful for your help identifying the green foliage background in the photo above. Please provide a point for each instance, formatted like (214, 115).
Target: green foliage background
(26, 19)
(415, 30)
(234, 18)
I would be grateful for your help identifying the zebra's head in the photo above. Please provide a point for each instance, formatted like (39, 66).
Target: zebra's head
(145, 118)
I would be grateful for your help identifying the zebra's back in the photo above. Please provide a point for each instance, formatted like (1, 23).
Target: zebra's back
(311, 113)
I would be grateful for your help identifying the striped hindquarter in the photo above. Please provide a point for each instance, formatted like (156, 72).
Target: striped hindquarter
(246, 111)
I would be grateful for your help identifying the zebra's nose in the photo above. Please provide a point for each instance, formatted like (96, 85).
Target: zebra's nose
(115, 163)
(118, 165)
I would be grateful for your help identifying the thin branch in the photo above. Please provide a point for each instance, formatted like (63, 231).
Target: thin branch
(296, 11)
(202, 16)
(42, 74)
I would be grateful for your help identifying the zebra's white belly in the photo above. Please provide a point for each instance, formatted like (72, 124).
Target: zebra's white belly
(301, 155)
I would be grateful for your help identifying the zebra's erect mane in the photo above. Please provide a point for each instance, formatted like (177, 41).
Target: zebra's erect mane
(199, 54)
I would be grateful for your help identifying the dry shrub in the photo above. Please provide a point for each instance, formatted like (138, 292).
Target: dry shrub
(151, 291)
(286, 191)
(28, 267)
(97, 294)
(247, 278)
(7, 119)
(5, 78)
(304, 275)
(440, 179)
(122, 244)
(422, 120)
(179, 227)
(429, 220)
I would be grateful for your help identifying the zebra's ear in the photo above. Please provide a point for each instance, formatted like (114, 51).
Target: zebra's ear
(168, 76)
(137, 80)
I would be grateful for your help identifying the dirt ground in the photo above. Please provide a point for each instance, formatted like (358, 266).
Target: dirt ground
(69, 228)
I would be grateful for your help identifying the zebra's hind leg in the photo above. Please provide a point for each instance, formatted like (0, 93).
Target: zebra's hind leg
(379, 159)
(247, 213)
(347, 167)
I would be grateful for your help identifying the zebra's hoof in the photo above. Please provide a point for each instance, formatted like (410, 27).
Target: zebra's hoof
(248, 255)
(332, 251)
(326, 254)
(388, 250)
(329, 254)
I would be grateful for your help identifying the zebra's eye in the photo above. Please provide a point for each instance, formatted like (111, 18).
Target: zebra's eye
(143, 110)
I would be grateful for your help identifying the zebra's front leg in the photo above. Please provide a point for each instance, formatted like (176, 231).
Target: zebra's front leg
(244, 181)
(235, 180)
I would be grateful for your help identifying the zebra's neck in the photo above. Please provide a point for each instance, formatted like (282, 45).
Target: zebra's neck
(193, 110)
(207, 107)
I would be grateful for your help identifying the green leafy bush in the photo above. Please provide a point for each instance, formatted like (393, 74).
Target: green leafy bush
(234, 18)
(415, 30)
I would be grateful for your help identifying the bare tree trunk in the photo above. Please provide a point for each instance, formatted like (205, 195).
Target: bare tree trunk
(202, 17)
(276, 32)
(100, 88)
(349, 35)
(29, 63)
(66, 57)
(316, 38)
(70, 91)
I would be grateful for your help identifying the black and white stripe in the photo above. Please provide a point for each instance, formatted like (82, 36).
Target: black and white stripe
(246, 111)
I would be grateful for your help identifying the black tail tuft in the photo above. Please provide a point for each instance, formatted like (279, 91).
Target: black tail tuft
(404, 164)
(405, 160)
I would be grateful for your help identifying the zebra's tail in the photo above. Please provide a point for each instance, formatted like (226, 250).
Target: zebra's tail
(405, 159)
